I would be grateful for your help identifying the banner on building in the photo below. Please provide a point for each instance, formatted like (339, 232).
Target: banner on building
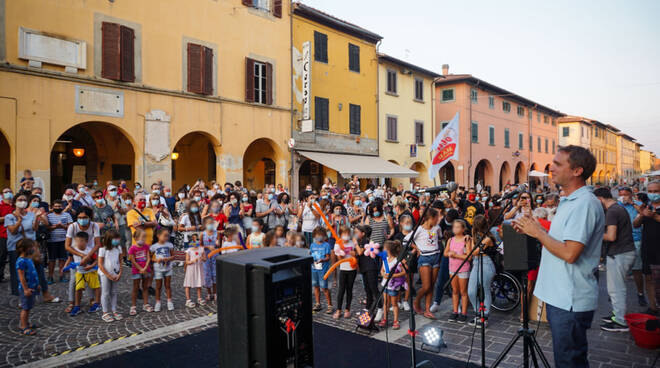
(444, 147)
(306, 78)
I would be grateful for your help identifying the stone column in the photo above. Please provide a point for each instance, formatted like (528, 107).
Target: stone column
(157, 158)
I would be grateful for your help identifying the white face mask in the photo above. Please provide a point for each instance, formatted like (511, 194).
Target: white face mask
(21, 204)
(345, 237)
(182, 195)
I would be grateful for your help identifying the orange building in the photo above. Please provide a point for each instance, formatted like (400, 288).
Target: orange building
(503, 135)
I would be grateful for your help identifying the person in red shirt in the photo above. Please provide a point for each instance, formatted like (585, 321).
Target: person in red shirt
(6, 207)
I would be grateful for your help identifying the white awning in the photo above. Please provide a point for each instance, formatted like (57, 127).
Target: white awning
(362, 166)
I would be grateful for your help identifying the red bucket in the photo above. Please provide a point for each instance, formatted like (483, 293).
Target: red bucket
(643, 338)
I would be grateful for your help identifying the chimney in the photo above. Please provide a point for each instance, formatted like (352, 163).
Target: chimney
(445, 69)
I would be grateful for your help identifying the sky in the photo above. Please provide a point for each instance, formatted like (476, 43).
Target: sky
(594, 58)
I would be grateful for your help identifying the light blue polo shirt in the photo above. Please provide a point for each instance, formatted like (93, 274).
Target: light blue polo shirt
(573, 287)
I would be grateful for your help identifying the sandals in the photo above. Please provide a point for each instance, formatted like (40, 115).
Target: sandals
(106, 317)
(316, 308)
(430, 315)
(337, 314)
(132, 311)
(117, 316)
(382, 323)
(347, 314)
(69, 308)
(208, 297)
(190, 303)
(147, 308)
(329, 310)
(201, 301)
(53, 300)
(28, 331)
(396, 325)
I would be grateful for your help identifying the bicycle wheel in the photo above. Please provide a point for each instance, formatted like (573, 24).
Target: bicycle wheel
(505, 290)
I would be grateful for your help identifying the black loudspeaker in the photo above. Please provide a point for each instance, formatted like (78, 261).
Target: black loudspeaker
(265, 308)
(521, 252)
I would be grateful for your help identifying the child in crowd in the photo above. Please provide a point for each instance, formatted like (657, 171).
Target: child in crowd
(28, 283)
(320, 251)
(162, 259)
(300, 240)
(279, 235)
(85, 276)
(210, 241)
(230, 239)
(457, 249)
(138, 254)
(110, 255)
(290, 240)
(347, 273)
(398, 282)
(270, 240)
(406, 225)
(256, 237)
(369, 268)
(194, 272)
(293, 223)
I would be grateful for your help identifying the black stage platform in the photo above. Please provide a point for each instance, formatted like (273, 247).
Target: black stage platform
(333, 348)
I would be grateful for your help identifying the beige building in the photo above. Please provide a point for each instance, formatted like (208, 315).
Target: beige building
(646, 160)
(145, 90)
(405, 99)
(627, 158)
(575, 130)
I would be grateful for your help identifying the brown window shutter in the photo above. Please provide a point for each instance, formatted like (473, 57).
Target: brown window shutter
(249, 80)
(248, 3)
(110, 56)
(127, 54)
(269, 83)
(194, 68)
(277, 8)
(208, 71)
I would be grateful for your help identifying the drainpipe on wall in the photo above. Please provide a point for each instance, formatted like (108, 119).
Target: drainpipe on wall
(294, 172)
(470, 135)
(432, 132)
(382, 179)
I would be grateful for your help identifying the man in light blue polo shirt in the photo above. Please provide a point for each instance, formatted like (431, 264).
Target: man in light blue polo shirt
(571, 251)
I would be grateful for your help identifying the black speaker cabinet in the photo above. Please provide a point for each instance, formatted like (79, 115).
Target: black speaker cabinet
(265, 308)
(521, 252)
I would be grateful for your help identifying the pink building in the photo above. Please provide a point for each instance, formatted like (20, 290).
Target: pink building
(503, 135)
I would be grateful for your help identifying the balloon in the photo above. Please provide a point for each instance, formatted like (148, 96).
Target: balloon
(214, 252)
(352, 261)
(338, 240)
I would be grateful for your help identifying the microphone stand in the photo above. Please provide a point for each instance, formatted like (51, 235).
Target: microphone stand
(480, 278)
(405, 254)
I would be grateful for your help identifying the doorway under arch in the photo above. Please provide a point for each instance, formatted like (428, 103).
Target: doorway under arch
(483, 174)
(505, 175)
(5, 162)
(91, 151)
(520, 175)
(195, 159)
(260, 164)
(447, 173)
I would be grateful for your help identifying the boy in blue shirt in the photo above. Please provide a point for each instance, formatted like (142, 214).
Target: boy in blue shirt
(28, 285)
(320, 251)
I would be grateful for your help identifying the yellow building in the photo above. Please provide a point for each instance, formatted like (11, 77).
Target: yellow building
(646, 160)
(627, 158)
(335, 101)
(599, 149)
(406, 116)
(101, 90)
(611, 170)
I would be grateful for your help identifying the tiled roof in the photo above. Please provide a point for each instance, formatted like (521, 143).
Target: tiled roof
(407, 65)
(472, 80)
(316, 15)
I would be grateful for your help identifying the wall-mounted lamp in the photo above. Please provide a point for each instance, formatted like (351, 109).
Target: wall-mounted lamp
(79, 152)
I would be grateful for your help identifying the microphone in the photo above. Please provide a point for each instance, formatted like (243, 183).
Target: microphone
(522, 188)
(449, 187)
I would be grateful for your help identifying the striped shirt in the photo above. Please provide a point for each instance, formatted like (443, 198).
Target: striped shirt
(379, 230)
(59, 234)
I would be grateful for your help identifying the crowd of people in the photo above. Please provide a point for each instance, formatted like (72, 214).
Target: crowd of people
(96, 234)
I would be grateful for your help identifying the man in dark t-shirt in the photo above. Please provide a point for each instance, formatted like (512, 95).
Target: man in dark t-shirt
(649, 219)
(471, 207)
(620, 254)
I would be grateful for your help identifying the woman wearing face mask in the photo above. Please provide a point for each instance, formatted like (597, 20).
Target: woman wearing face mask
(234, 210)
(382, 227)
(355, 211)
(163, 215)
(216, 212)
(248, 211)
(20, 223)
(190, 222)
(181, 201)
(310, 218)
(138, 188)
(268, 210)
(58, 221)
(104, 216)
(524, 206)
(83, 223)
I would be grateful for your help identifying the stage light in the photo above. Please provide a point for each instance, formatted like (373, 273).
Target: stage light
(79, 152)
(364, 318)
(432, 339)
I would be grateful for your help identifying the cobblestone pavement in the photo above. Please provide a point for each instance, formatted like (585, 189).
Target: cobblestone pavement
(60, 333)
